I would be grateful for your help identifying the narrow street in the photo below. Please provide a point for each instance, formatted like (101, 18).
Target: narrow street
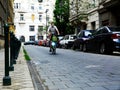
(75, 70)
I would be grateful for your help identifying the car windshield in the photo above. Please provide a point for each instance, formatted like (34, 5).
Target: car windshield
(114, 28)
(87, 33)
(72, 37)
(60, 37)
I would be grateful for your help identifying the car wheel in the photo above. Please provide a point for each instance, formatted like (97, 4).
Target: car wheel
(73, 47)
(81, 47)
(66, 46)
(84, 48)
(63, 46)
(102, 49)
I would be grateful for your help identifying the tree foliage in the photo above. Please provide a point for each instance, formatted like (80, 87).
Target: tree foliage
(61, 16)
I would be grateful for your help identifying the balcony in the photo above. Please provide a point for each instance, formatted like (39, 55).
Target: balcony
(81, 16)
(21, 21)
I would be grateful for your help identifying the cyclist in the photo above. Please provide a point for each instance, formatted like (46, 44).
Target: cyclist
(52, 30)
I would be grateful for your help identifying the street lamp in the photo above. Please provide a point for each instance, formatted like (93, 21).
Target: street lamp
(46, 20)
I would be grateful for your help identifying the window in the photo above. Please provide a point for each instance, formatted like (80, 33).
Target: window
(32, 7)
(40, 28)
(40, 18)
(40, 1)
(40, 37)
(31, 28)
(21, 17)
(80, 34)
(93, 25)
(17, 5)
(104, 30)
(40, 7)
(32, 38)
(87, 33)
(66, 37)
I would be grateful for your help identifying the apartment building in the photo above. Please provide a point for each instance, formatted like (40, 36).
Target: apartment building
(81, 14)
(91, 14)
(109, 12)
(6, 16)
(32, 18)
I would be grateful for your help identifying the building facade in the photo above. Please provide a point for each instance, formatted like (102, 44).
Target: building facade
(82, 13)
(91, 14)
(109, 12)
(32, 18)
(6, 16)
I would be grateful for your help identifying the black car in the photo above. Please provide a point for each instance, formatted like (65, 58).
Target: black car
(81, 37)
(105, 40)
(29, 43)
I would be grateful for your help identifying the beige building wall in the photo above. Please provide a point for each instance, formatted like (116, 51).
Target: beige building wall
(84, 14)
(93, 19)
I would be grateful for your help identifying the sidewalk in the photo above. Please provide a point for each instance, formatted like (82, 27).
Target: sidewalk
(20, 77)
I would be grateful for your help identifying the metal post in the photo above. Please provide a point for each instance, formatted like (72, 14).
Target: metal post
(46, 21)
(6, 78)
(11, 68)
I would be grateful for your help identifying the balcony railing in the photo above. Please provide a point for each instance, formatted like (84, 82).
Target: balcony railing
(81, 15)
(21, 21)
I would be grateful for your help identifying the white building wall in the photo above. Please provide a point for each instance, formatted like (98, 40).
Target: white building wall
(22, 27)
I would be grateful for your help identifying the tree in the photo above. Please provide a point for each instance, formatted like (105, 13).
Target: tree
(61, 15)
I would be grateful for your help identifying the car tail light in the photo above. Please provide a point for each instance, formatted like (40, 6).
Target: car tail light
(115, 36)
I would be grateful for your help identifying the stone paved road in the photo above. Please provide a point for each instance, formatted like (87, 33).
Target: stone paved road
(74, 70)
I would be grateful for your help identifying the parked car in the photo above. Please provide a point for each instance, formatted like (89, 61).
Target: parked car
(29, 43)
(105, 40)
(36, 42)
(81, 37)
(67, 41)
(59, 39)
(41, 42)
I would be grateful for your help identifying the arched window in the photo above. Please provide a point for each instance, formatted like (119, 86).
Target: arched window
(22, 39)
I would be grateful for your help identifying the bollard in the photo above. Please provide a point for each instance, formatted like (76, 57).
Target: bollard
(14, 51)
(17, 48)
(11, 68)
(6, 78)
